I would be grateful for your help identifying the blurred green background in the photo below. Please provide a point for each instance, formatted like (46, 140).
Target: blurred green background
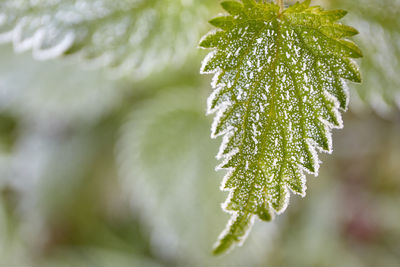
(98, 170)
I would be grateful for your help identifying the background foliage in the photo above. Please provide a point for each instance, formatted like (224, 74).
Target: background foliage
(99, 171)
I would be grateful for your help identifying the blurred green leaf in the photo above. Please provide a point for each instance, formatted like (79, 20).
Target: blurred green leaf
(41, 91)
(379, 38)
(12, 250)
(166, 168)
(8, 129)
(136, 37)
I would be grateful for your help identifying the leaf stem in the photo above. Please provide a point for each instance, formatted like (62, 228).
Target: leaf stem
(280, 4)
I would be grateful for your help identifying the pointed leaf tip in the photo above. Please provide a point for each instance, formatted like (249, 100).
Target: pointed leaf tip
(233, 7)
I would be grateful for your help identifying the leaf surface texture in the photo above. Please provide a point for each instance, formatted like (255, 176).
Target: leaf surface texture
(278, 91)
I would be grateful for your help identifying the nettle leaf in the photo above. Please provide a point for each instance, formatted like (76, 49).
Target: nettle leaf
(134, 36)
(278, 89)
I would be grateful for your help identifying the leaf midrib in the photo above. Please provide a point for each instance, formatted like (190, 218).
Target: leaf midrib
(273, 93)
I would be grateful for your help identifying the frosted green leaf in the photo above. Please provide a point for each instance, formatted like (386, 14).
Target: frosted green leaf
(278, 91)
(135, 36)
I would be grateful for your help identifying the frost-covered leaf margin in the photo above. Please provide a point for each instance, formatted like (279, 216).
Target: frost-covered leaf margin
(278, 89)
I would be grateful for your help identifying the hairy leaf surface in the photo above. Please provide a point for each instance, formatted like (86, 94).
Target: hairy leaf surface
(132, 35)
(278, 91)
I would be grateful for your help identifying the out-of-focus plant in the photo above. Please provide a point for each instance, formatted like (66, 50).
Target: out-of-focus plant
(128, 35)
(377, 20)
